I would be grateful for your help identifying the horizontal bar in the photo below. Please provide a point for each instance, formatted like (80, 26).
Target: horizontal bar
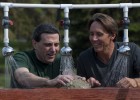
(70, 6)
(24, 5)
(96, 6)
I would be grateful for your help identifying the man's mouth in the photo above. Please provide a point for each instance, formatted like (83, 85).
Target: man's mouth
(51, 55)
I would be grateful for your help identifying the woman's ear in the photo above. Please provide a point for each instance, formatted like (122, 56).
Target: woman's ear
(113, 36)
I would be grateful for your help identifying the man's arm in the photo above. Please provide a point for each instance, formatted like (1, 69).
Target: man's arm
(25, 78)
(29, 80)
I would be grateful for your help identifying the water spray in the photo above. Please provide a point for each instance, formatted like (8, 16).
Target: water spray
(7, 50)
(125, 48)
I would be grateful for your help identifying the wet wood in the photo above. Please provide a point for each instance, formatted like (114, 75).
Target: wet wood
(70, 94)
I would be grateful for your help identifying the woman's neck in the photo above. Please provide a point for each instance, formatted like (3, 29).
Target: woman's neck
(106, 54)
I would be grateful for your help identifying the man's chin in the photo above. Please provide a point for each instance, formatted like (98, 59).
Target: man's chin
(50, 60)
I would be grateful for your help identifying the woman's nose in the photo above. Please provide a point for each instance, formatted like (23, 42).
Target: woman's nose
(95, 38)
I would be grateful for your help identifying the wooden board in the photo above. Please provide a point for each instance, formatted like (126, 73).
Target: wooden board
(70, 94)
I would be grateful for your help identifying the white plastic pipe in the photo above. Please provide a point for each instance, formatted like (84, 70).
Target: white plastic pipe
(66, 31)
(6, 38)
(125, 37)
(70, 6)
(25, 5)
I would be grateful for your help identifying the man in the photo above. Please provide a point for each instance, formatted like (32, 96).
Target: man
(103, 64)
(40, 67)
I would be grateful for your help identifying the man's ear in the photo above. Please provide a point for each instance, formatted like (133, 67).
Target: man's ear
(34, 43)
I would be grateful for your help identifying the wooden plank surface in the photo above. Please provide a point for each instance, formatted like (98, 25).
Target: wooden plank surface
(70, 94)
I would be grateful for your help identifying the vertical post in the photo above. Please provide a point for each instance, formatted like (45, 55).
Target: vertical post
(125, 48)
(126, 23)
(7, 50)
(66, 26)
(6, 25)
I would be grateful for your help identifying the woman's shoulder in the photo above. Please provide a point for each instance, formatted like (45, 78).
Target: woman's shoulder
(86, 52)
(130, 44)
(133, 46)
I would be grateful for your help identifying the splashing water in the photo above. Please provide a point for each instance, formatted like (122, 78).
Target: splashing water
(10, 64)
(67, 65)
(119, 70)
(67, 68)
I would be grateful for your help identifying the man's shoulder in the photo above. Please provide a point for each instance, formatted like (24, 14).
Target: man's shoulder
(23, 54)
(19, 53)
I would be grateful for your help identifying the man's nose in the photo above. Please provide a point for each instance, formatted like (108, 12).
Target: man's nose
(53, 48)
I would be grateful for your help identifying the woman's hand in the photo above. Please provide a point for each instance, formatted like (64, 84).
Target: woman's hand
(127, 83)
(93, 82)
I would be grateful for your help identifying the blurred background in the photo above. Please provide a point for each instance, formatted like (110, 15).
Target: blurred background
(26, 19)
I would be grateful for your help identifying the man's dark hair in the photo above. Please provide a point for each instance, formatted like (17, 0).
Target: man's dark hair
(44, 28)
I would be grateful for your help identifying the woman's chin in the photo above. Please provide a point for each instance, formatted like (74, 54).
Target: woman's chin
(98, 50)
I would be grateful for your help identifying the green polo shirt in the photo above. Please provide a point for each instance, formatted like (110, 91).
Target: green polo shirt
(29, 60)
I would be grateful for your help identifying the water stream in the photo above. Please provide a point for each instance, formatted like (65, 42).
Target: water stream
(67, 65)
(119, 70)
(10, 64)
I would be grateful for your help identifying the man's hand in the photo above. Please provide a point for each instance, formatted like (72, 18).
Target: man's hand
(93, 82)
(60, 80)
(127, 83)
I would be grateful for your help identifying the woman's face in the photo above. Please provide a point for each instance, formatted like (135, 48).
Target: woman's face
(99, 37)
